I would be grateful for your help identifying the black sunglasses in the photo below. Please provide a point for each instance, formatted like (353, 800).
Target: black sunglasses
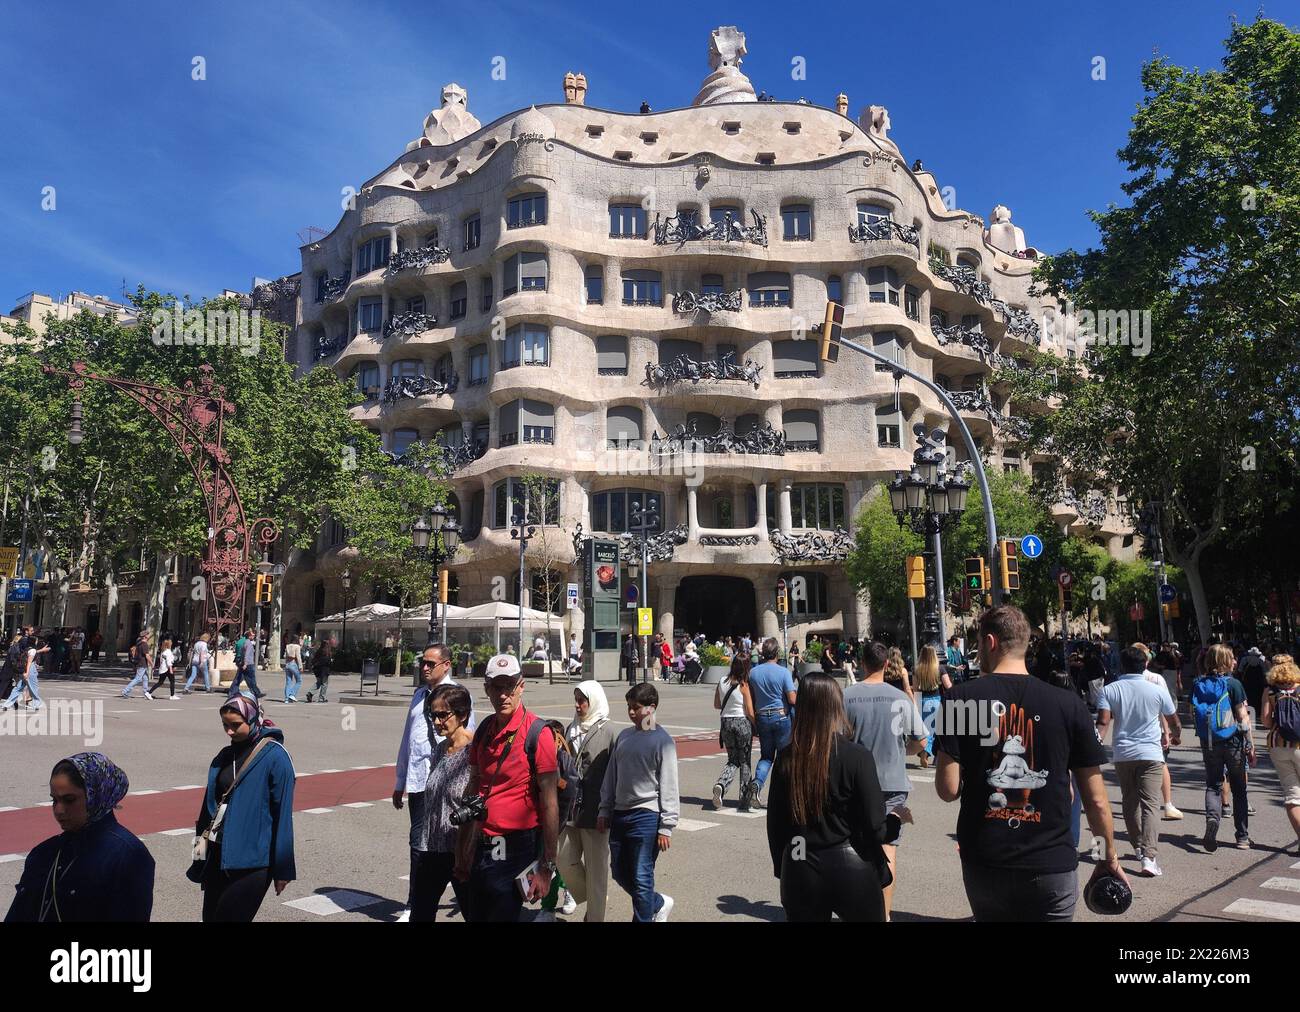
(440, 714)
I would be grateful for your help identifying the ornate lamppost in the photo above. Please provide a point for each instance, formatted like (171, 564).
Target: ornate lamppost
(194, 417)
(928, 500)
(522, 531)
(435, 543)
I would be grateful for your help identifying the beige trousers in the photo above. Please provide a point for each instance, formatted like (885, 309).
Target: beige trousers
(583, 861)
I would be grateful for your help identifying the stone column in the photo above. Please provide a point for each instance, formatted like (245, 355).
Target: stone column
(738, 505)
(768, 620)
(666, 600)
(692, 514)
(783, 509)
(760, 493)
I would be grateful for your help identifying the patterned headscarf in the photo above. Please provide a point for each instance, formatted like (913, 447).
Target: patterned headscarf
(106, 783)
(252, 713)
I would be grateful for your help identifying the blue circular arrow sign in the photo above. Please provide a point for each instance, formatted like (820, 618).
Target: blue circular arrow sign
(1031, 546)
(1167, 593)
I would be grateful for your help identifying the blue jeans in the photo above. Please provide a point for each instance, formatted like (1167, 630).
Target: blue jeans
(773, 735)
(929, 707)
(194, 673)
(32, 683)
(292, 680)
(249, 675)
(633, 849)
(141, 678)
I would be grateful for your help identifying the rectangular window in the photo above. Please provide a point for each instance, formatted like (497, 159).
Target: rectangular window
(459, 300)
(595, 282)
(886, 343)
(414, 305)
(370, 315)
(473, 233)
(485, 286)
(527, 345)
(611, 355)
(796, 222)
(529, 209)
(478, 366)
(627, 221)
(532, 272)
(372, 255)
(911, 303)
(639, 291)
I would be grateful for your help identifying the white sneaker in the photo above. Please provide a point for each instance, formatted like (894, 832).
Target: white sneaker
(570, 904)
(148, 695)
(1150, 868)
(717, 798)
(173, 696)
(405, 918)
(1171, 813)
(666, 909)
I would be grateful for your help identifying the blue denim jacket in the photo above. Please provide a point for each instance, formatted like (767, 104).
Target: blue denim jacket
(257, 831)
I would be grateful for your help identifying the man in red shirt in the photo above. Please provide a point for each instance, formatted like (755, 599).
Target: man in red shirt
(522, 824)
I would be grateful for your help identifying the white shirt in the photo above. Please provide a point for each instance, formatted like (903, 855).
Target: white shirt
(165, 661)
(416, 750)
(735, 706)
(200, 652)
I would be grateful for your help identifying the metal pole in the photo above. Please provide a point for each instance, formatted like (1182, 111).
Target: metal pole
(442, 606)
(911, 612)
(20, 611)
(522, 543)
(972, 451)
(645, 602)
(433, 605)
(938, 578)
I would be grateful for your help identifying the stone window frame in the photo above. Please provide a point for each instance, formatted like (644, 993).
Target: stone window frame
(529, 198)
(799, 208)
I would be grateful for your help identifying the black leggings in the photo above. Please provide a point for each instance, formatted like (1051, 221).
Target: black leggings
(170, 675)
(432, 873)
(233, 897)
(835, 880)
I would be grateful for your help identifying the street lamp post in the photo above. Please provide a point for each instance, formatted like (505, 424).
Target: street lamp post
(523, 532)
(928, 500)
(642, 522)
(345, 581)
(435, 543)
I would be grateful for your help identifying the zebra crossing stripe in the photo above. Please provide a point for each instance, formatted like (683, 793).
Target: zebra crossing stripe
(1291, 885)
(1264, 908)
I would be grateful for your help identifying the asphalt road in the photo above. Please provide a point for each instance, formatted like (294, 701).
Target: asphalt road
(351, 845)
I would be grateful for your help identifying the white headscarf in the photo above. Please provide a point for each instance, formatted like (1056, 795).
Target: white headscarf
(597, 710)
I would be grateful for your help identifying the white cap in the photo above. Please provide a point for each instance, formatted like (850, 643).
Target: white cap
(502, 665)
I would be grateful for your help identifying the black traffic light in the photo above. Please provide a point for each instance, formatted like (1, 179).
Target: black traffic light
(975, 573)
(832, 326)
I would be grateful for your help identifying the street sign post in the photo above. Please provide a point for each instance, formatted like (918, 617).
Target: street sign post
(645, 621)
(573, 596)
(9, 562)
(1031, 546)
(20, 592)
(1167, 593)
(1065, 579)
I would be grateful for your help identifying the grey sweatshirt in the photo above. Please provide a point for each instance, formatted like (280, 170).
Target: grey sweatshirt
(642, 773)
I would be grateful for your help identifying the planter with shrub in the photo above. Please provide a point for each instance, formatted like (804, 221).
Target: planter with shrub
(716, 663)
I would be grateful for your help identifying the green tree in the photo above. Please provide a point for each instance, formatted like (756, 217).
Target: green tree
(1204, 419)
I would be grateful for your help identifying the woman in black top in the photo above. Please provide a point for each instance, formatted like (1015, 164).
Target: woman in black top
(826, 815)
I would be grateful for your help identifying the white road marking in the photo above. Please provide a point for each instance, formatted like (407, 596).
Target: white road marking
(8, 808)
(331, 771)
(1263, 908)
(188, 787)
(694, 825)
(406, 878)
(336, 901)
(177, 832)
(1293, 867)
(1291, 885)
(736, 813)
(920, 780)
(359, 804)
(123, 711)
(6, 858)
(365, 767)
(168, 709)
(316, 811)
(140, 794)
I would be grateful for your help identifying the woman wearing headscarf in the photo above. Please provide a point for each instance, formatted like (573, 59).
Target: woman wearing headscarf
(583, 855)
(244, 833)
(96, 869)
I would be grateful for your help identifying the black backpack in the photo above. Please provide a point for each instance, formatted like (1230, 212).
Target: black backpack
(566, 765)
(1286, 715)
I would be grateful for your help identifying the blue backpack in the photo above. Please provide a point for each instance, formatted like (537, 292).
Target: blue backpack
(1213, 708)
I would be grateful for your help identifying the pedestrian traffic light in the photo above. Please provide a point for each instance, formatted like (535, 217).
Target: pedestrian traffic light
(263, 591)
(1010, 564)
(1067, 599)
(975, 573)
(832, 326)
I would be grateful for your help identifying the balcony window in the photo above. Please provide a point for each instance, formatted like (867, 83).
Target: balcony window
(938, 318)
(415, 304)
(873, 214)
(889, 429)
(801, 427)
(670, 348)
(623, 424)
(472, 522)
(796, 223)
(627, 221)
(705, 424)
(473, 233)
(792, 359)
(835, 289)
(817, 507)
(322, 279)
(884, 285)
(746, 424)
(971, 321)
(912, 303)
(479, 364)
(444, 369)
(527, 344)
(612, 510)
(769, 289)
(719, 212)
(524, 270)
(725, 351)
(372, 255)
(370, 315)
(611, 355)
(594, 279)
(406, 367)
(485, 288)
(711, 284)
(539, 504)
(642, 288)
(459, 299)
(526, 209)
(450, 435)
(367, 378)
(886, 343)
(403, 439)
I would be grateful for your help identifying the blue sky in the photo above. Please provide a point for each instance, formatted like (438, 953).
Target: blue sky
(192, 186)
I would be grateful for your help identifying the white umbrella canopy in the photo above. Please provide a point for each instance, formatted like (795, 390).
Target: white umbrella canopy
(364, 614)
(502, 610)
(421, 614)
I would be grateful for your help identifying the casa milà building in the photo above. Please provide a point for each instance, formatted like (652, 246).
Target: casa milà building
(627, 304)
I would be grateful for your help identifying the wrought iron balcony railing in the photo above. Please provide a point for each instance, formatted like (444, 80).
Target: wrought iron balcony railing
(709, 302)
(684, 368)
(399, 387)
(762, 439)
(410, 259)
(409, 324)
(329, 289)
(1021, 324)
(1092, 507)
(659, 547)
(328, 347)
(812, 546)
(884, 229)
(803, 446)
(971, 337)
(611, 372)
(463, 454)
(687, 228)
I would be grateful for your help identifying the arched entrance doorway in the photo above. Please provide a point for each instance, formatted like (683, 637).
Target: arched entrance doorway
(716, 606)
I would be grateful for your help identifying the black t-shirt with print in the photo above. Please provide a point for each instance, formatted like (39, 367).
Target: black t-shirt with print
(1016, 747)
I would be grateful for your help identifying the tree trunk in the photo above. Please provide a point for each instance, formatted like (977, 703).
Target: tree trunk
(157, 598)
(1191, 567)
(108, 626)
(59, 612)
